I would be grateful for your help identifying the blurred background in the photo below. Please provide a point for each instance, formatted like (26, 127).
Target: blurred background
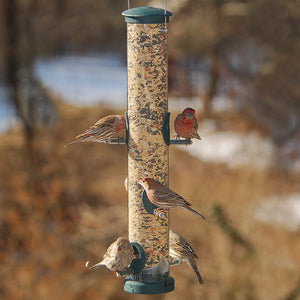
(63, 66)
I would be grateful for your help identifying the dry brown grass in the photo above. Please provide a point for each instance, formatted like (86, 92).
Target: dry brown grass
(71, 204)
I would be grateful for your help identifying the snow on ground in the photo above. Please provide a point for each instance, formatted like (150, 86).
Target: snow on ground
(85, 80)
(7, 113)
(233, 149)
(283, 210)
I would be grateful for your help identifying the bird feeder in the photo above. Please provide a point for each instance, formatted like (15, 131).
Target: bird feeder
(148, 153)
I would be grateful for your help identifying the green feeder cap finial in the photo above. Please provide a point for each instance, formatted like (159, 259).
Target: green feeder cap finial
(146, 15)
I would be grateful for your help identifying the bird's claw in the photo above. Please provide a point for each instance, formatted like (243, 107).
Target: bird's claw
(118, 140)
(160, 212)
(174, 262)
(121, 140)
(124, 273)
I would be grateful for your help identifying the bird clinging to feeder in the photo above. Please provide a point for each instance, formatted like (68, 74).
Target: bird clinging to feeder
(118, 256)
(181, 250)
(164, 198)
(186, 125)
(102, 130)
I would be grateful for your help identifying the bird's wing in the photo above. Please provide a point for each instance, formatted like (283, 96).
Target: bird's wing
(180, 245)
(195, 124)
(102, 124)
(102, 130)
(187, 247)
(107, 121)
(194, 133)
(166, 196)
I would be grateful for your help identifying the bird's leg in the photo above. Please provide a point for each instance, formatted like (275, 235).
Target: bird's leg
(160, 212)
(187, 141)
(124, 273)
(119, 140)
(174, 261)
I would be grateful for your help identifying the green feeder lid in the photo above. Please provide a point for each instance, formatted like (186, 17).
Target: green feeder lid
(146, 15)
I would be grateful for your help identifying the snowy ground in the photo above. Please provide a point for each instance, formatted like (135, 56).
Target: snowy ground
(85, 80)
(7, 118)
(283, 210)
(232, 148)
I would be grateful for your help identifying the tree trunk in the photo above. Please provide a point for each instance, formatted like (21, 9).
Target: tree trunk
(13, 65)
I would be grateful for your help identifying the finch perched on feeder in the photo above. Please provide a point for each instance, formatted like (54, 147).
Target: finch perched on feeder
(186, 125)
(163, 197)
(102, 130)
(118, 256)
(181, 250)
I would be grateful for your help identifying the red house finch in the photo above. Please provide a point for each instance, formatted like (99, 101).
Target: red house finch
(186, 125)
(163, 197)
(118, 256)
(181, 250)
(102, 130)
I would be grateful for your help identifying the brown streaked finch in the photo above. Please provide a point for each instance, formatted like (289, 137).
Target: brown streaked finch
(163, 197)
(102, 130)
(186, 125)
(181, 250)
(118, 256)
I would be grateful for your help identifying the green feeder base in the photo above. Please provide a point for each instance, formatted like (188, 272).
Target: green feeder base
(155, 287)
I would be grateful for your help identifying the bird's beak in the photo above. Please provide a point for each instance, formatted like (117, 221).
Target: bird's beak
(140, 182)
(96, 266)
(189, 116)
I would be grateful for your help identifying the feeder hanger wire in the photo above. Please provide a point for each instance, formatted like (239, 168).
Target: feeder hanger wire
(165, 14)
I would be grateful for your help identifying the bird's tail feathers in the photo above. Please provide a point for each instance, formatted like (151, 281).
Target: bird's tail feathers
(73, 142)
(195, 135)
(87, 138)
(193, 211)
(191, 262)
